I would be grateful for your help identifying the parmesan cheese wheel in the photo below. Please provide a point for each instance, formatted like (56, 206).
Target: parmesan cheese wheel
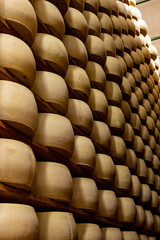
(105, 7)
(76, 51)
(56, 132)
(122, 179)
(113, 70)
(80, 115)
(131, 80)
(92, 5)
(122, 9)
(119, 45)
(150, 124)
(78, 82)
(101, 134)
(57, 225)
(18, 107)
(98, 104)
(136, 59)
(135, 123)
(128, 60)
(148, 155)
(143, 237)
(156, 223)
(140, 97)
(109, 44)
(117, 149)
(17, 164)
(104, 168)
(126, 210)
(128, 134)
(53, 89)
(126, 88)
(138, 146)
(136, 187)
(53, 51)
(157, 182)
(150, 177)
(145, 193)
(53, 181)
(131, 159)
(115, 120)
(140, 218)
(147, 54)
(107, 204)
(84, 152)
(96, 75)
(94, 27)
(133, 102)
(89, 231)
(141, 169)
(137, 76)
(76, 24)
(155, 163)
(112, 233)
(131, 27)
(106, 23)
(142, 114)
(123, 23)
(126, 110)
(123, 65)
(141, 56)
(113, 93)
(78, 4)
(149, 220)
(96, 49)
(13, 224)
(126, 43)
(51, 17)
(154, 200)
(23, 66)
(130, 235)
(117, 28)
(85, 194)
(21, 16)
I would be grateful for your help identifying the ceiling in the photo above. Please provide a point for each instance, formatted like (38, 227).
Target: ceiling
(151, 14)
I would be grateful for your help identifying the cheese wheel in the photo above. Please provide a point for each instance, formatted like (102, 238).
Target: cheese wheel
(126, 210)
(157, 182)
(132, 3)
(22, 18)
(96, 49)
(126, 88)
(94, 27)
(138, 41)
(85, 194)
(129, 62)
(98, 104)
(113, 93)
(112, 233)
(133, 102)
(92, 5)
(78, 82)
(140, 97)
(104, 168)
(155, 163)
(101, 134)
(150, 176)
(147, 54)
(142, 114)
(145, 193)
(136, 187)
(131, 80)
(122, 9)
(109, 44)
(128, 135)
(56, 132)
(131, 159)
(140, 218)
(18, 107)
(58, 225)
(117, 28)
(130, 235)
(89, 231)
(113, 70)
(76, 51)
(141, 169)
(141, 55)
(135, 123)
(106, 23)
(148, 155)
(145, 89)
(122, 179)
(80, 115)
(23, 66)
(135, 58)
(143, 237)
(53, 89)
(150, 124)
(138, 146)
(105, 7)
(53, 51)
(78, 4)
(143, 27)
(13, 224)
(17, 164)
(115, 120)
(123, 23)
(119, 45)
(131, 27)
(152, 142)
(123, 65)
(76, 24)
(156, 223)
(149, 220)
(51, 17)
(117, 149)
(126, 110)
(53, 181)
(107, 204)
(137, 76)
(154, 200)
(96, 75)
(126, 43)
(84, 152)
